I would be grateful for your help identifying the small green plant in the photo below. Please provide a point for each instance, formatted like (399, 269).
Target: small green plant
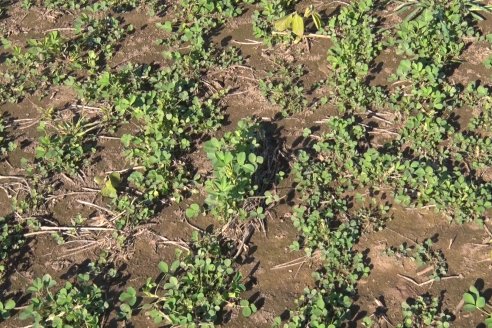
(296, 24)
(424, 135)
(64, 146)
(424, 311)
(11, 240)
(128, 300)
(192, 211)
(6, 144)
(197, 287)
(417, 7)
(80, 304)
(171, 116)
(269, 12)
(197, 20)
(328, 303)
(109, 185)
(55, 59)
(235, 161)
(424, 254)
(429, 91)
(133, 210)
(474, 301)
(355, 44)
(479, 97)
(91, 5)
(6, 309)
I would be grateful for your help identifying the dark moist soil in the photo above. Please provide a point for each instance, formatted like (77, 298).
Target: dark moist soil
(272, 290)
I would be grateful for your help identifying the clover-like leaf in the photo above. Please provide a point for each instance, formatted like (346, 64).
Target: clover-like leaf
(192, 211)
(129, 296)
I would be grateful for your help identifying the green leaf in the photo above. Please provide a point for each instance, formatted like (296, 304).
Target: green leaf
(126, 311)
(126, 139)
(480, 302)
(163, 267)
(110, 188)
(247, 312)
(104, 79)
(174, 266)
(298, 25)
(249, 168)
(192, 211)
(252, 158)
(241, 158)
(316, 20)
(10, 304)
(283, 24)
(469, 307)
(167, 26)
(468, 298)
(129, 297)
(404, 67)
(173, 281)
(211, 146)
(26, 314)
(474, 290)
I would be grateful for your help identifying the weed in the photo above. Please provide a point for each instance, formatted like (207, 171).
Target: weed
(198, 18)
(170, 116)
(422, 37)
(328, 303)
(428, 92)
(133, 211)
(91, 5)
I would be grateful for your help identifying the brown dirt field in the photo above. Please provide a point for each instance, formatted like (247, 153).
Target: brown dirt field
(273, 291)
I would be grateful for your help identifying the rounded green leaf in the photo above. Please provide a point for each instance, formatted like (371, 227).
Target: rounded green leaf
(469, 307)
(247, 312)
(10, 304)
(163, 267)
(468, 298)
(480, 302)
